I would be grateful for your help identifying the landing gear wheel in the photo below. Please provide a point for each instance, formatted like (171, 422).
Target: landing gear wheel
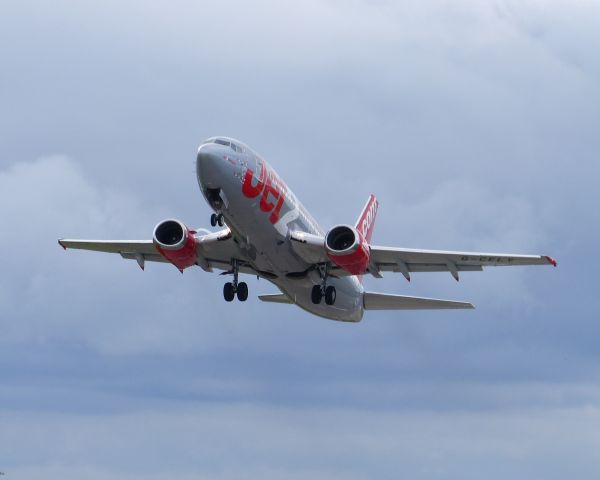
(220, 220)
(213, 220)
(228, 292)
(316, 295)
(330, 295)
(242, 291)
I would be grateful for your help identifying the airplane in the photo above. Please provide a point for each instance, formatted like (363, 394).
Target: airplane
(268, 233)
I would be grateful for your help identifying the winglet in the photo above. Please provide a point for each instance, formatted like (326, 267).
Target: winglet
(61, 244)
(551, 261)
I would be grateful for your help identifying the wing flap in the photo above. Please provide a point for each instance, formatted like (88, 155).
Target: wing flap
(384, 301)
(427, 267)
(311, 248)
(145, 256)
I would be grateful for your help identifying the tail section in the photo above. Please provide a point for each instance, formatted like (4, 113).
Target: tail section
(366, 221)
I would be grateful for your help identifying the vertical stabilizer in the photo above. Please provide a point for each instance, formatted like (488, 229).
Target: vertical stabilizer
(366, 221)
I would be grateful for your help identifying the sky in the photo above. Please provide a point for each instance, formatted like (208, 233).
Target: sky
(474, 122)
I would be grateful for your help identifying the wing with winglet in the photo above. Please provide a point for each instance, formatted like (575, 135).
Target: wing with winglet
(210, 250)
(405, 260)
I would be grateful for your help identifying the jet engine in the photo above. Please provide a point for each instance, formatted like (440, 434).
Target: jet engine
(176, 242)
(346, 248)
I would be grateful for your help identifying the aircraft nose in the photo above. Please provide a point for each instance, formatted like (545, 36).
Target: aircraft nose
(209, 165)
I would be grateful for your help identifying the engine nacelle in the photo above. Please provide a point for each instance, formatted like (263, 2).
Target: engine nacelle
(176, 242)
(346, 248)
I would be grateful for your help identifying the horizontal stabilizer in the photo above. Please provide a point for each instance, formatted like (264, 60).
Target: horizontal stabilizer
(384, 301)
(275, 298)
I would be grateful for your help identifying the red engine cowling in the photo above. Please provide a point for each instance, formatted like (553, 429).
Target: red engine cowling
(346, 248)
(176, 243)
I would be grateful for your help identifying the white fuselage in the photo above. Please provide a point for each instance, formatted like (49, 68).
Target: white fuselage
(261, 211)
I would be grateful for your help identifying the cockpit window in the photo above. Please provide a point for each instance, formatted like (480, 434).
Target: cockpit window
(223, 142)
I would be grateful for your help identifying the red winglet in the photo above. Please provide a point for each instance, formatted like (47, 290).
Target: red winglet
(551, 260)
(60, 243)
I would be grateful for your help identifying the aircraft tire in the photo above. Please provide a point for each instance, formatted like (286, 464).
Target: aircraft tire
(213, 220)
(316, 295)
(220, 220)
(228, 292)
(330, 295)
(242, 291)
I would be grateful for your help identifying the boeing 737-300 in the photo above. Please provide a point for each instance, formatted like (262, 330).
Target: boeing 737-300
(267, 232)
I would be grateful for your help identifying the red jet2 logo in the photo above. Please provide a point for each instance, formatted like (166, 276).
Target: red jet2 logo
(368, 217)
(271, 187)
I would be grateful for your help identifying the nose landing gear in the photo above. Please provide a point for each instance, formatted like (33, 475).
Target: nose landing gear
(231, 289)
(319, 291)
(217, 219)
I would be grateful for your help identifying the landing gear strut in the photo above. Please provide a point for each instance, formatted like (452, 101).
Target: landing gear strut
(217, 219)
(319, 291)
(230, 289)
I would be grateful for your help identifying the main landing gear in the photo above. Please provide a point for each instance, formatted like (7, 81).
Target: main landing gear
(319, 291)
(217, 219)
(231, 289)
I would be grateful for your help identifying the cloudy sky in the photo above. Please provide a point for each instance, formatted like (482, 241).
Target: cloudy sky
(474, 122)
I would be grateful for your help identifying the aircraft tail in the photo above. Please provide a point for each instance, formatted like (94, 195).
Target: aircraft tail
(366, 221)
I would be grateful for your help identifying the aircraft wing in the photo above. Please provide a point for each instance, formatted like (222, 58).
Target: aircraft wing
(406, 260)
(215, 250)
